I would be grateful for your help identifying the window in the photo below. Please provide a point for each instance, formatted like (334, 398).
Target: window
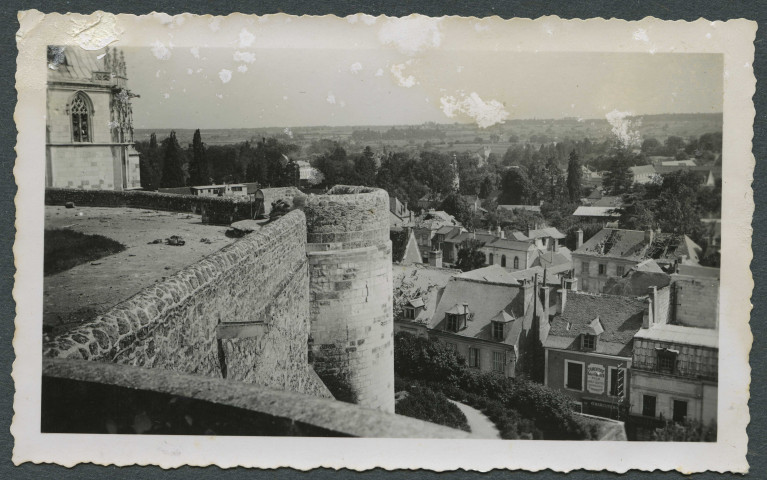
(617, 382)
(474, 357)
(516, 263)
(452, 323)
(409, 313)
(585, 268)
(620, 270)
(497, 331)
(588, 342)
(574, 375)
(680, 411)
(602, 269)
(491, 260)
(503, 260)
(666, 361)
(499, 362)
(80, 112)
(648, 405)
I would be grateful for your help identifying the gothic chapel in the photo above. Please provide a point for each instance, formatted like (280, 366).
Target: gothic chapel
(89, 127)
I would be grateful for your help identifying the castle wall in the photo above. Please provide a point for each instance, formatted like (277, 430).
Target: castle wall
(240, 314)
(350, 278)
(216, 210)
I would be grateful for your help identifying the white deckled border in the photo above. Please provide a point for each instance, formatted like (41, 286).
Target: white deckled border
(734, 39)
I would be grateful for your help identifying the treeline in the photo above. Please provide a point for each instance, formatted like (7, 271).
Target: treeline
(166, 164)
(394, 133)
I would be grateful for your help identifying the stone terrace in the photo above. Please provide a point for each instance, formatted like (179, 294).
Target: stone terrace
(88, 290)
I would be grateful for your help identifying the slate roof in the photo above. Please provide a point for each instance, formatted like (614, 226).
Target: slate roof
(508, 244)
(498, 274)
(485, 238)
(615, 201)
(643, 170)
(620, 317)
(680, 334)
(548, 232)
(485, 302)
(636, 283)
(584, 211)
(698, 271)
(555, 262)
(631, 245)
(79, 65)
(423, 282)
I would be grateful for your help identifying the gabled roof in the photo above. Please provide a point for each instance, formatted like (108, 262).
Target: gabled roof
(507, 244)
(555, 262)
(416, 302)
(503, 317)
(613, 201)
(631, 245)
(648, 265)
(485, 301)
(497, 274)
(548, 232)
(517, 235)
(619, 317)
(449, 231)
(698, 271)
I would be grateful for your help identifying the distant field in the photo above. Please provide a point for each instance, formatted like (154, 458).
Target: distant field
(657, 126)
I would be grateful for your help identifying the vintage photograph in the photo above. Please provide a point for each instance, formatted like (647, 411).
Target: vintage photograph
(248, 238)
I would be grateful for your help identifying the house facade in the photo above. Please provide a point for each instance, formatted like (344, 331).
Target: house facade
(611, 253)
(89, 121)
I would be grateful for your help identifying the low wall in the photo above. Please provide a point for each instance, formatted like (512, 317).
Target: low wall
(216, 210)
(241, 313)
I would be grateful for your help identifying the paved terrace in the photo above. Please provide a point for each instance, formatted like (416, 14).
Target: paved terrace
(88, 290)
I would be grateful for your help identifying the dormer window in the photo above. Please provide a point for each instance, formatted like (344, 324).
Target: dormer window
(409, 313)
(667, 361)
(498, 330)
(591, 333)
(588, 342)
(455, 318)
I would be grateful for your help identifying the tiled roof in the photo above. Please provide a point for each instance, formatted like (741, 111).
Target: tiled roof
(620, 317)
(485, 238)
(631, 245)
(643, 170)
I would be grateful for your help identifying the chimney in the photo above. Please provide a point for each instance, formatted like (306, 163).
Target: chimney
(556, 244)
(503, 234)
(649, 234)
(653, 294)
(527, 293)
(498, 231)
(579, 238)
(435, 258)
(562, 299)
(465, 308)
(646, 318)
(546, 298)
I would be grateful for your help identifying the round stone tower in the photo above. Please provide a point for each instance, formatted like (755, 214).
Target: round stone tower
(350, 281)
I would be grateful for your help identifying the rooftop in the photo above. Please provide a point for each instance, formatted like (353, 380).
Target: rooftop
(680, 334)
(584, 211)
(633, 245)
(88, 290)
(548, 232)
(619, 317)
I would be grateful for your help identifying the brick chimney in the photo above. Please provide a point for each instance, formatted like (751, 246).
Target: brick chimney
(435, 258)
(465, 308)
(546, 299)
(649, 235)
(579, 238)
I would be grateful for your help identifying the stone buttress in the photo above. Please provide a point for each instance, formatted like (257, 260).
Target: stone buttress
(350, 281)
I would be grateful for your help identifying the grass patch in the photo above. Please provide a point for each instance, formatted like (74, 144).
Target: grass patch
(64, 249)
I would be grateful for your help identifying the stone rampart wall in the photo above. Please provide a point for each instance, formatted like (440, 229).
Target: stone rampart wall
(216, 210)
(256, 290)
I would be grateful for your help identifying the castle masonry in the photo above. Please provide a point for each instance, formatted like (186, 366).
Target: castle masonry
(350, 283)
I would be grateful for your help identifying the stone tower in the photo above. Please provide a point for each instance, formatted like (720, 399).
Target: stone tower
(350, 281)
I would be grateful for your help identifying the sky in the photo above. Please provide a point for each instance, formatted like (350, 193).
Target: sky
(285, 87)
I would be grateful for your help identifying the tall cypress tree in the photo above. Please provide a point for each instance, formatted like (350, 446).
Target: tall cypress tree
(149, 165)
(198, 167)
(173, 164)
(574, 177)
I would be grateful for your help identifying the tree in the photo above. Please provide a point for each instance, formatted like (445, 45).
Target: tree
(458, 207)
(173, 164)
(650, 146)
(470, 257)
(486, 187)
(618, 178)
(365, 168)
(574, 177)
(149, 164)
(515, 187)
(435, 170)
(198, 167)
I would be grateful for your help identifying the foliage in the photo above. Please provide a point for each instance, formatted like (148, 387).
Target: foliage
(150, 163)
(441, 369)
(458, 207)
(618, 179)
(426, 404)
(687, 431)
(198, 166)
(420, 358)
(64, 249)
(516, 188)
(364, 169)
(470, 257)
(173, 163)
(574, 177)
